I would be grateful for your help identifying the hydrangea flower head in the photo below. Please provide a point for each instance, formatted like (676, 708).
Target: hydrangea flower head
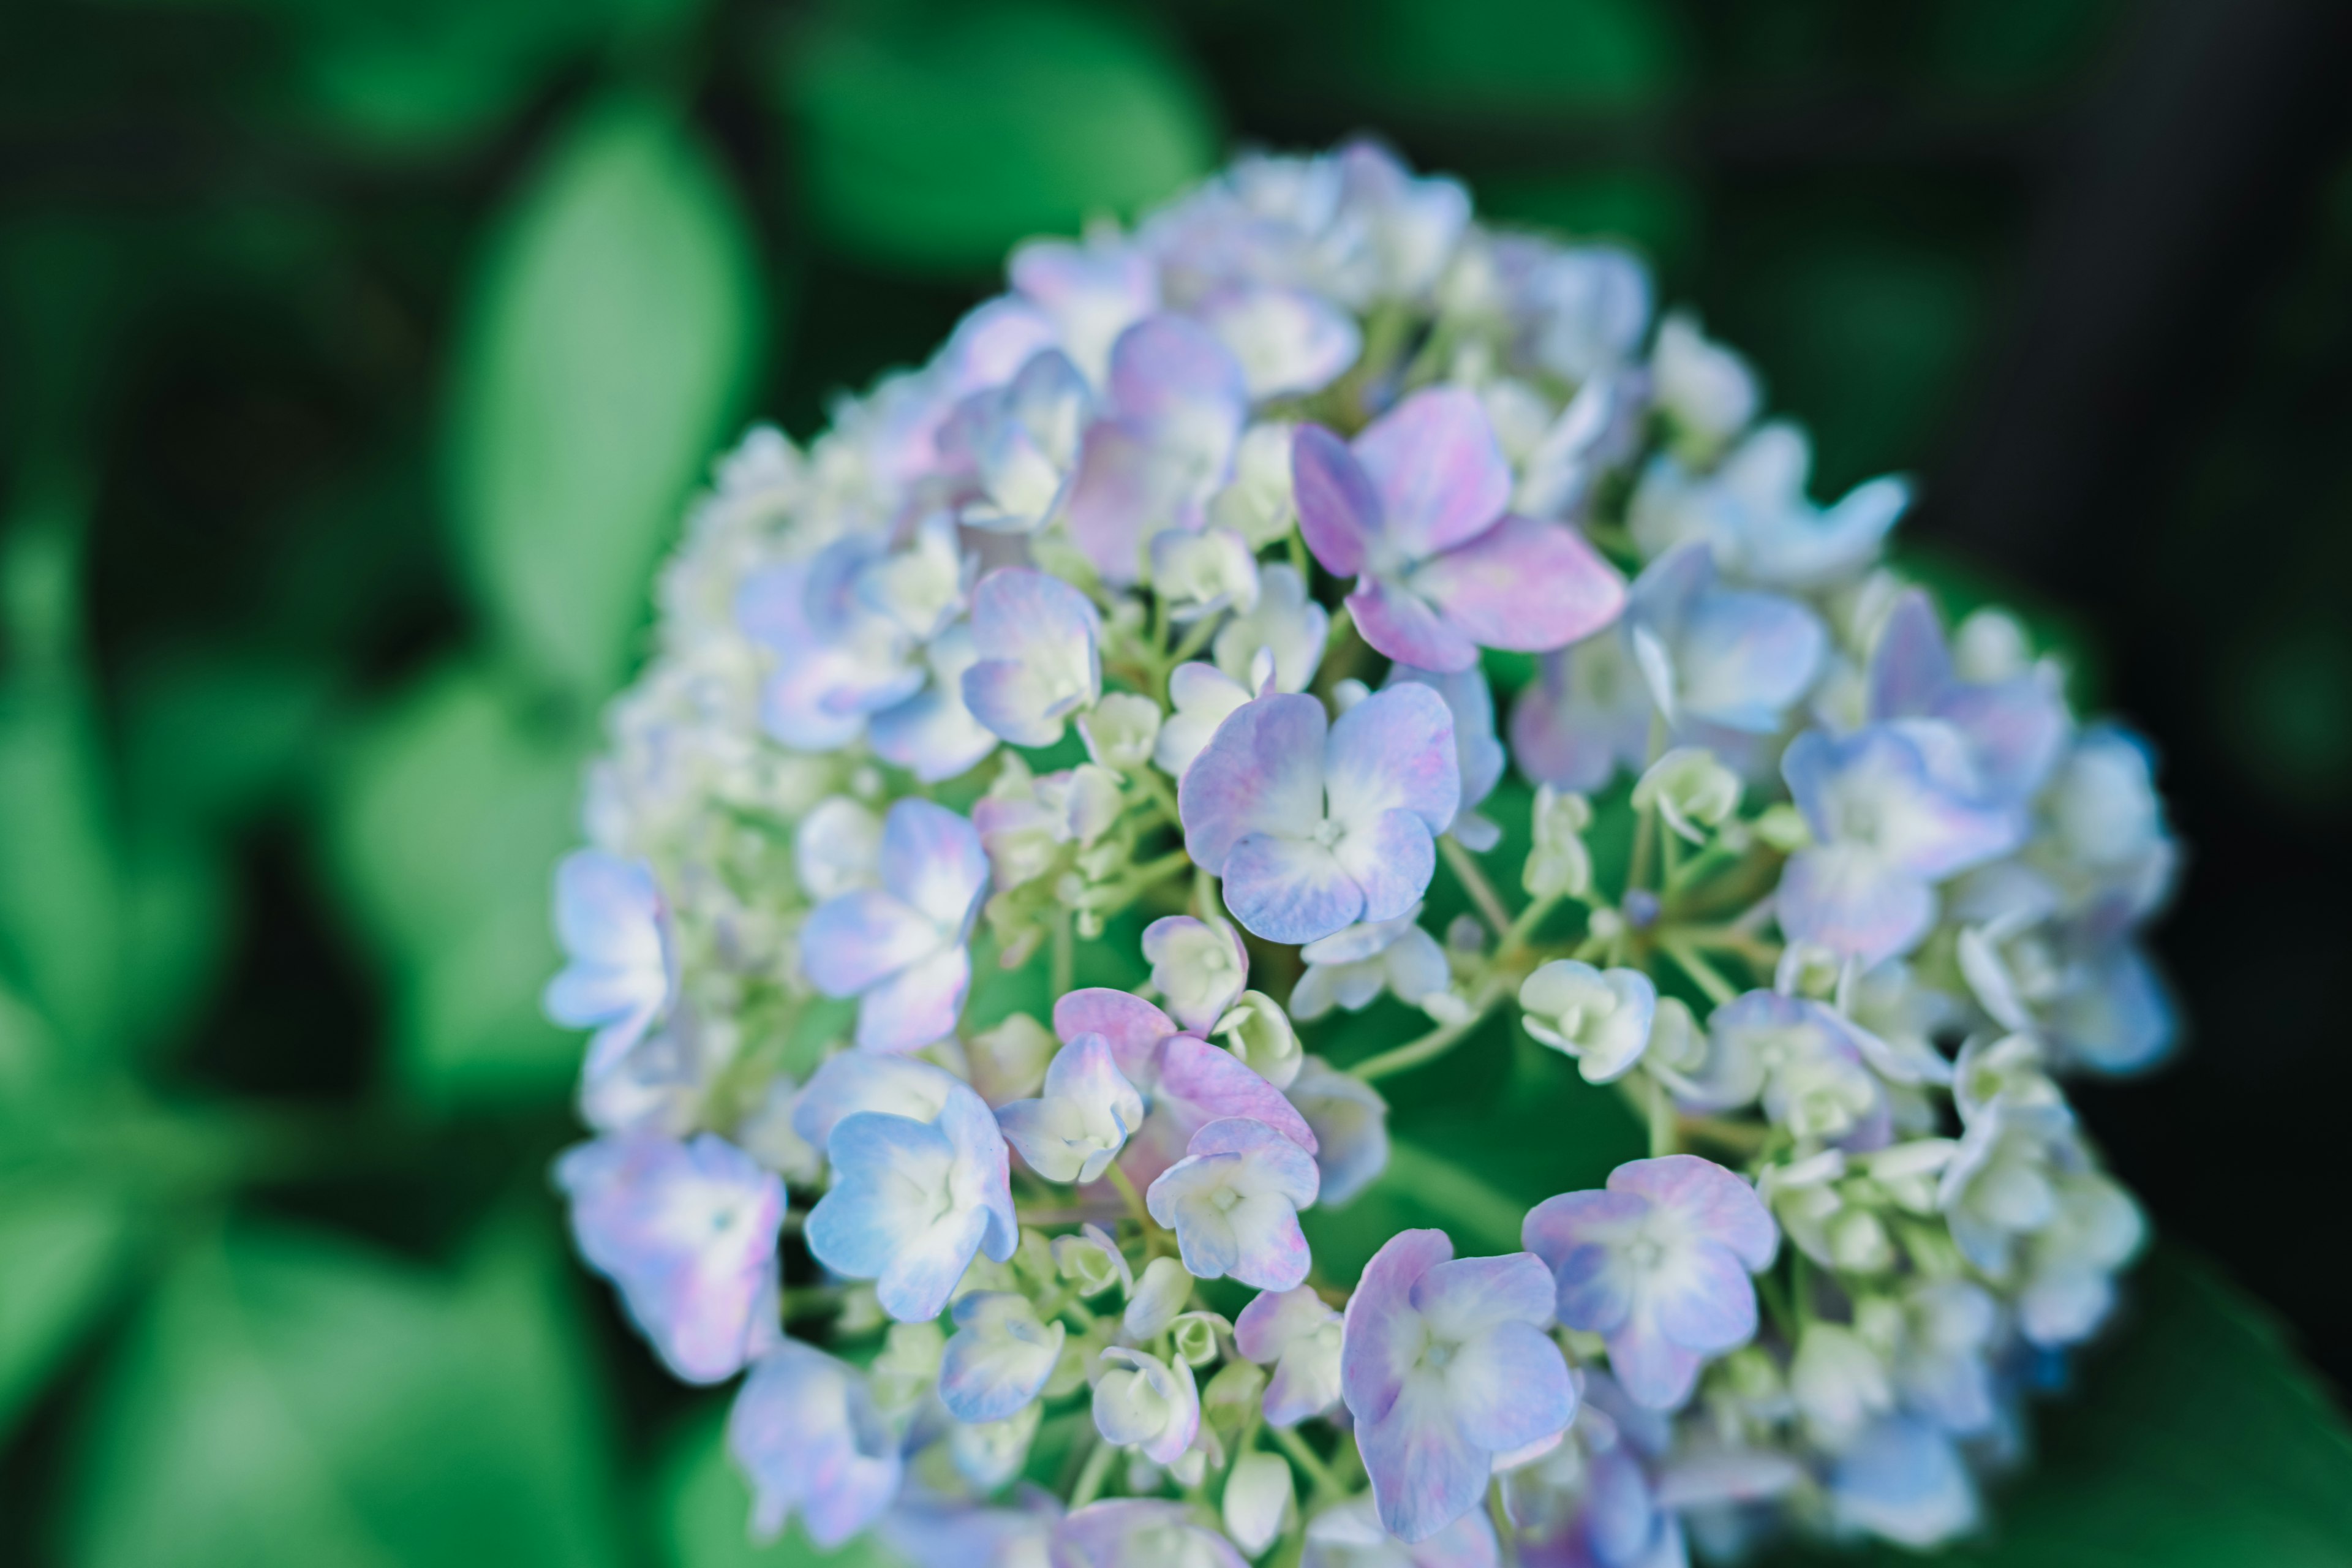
(1314, 824)
(1414, 510)
(1658, 1265)
(1444, 1363)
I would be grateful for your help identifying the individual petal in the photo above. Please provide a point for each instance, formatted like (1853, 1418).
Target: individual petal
(1407, 627)
(1296, 889)
(1261, 773)
(1712, 1201)
(1339, 509)
(1523, 585)
(1435, 464)
(1038, 639)
(999, 1358)
(917, 1005)
(1286, 341)
(852, 943)
(1394, 751)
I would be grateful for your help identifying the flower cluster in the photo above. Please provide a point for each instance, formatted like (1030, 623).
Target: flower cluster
(1167, 631)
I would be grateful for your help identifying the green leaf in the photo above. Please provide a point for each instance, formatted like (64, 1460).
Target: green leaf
(2195, 1440)
(933, 136)
(292, 1399)
(703, 1506)
(62, 1252)
(613, 332)
(445, 820)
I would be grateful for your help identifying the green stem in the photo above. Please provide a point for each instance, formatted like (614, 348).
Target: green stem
(1466, 872)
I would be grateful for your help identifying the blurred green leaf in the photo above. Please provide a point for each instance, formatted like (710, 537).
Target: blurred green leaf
(62, 1252)
(933, 136)
(1541, 55)
(2195, 1440)
(444, 825)
(703, 1508)
(614, 334)
(289, 1399)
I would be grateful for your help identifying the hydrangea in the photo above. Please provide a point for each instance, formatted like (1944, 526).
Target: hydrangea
(1101, 742)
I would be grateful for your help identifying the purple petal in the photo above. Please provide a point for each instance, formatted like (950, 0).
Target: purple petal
(1295, 891)
(1715, 1203)
(1262, 771)
(1407, 627)
(917, 1005)
(1441, 477)
(852, 942)
(1523, 585)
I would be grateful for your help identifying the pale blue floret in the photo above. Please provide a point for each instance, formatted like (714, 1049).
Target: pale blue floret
(900, 948)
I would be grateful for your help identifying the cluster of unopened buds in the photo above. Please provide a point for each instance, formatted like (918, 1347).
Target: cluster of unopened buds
(1151, 636)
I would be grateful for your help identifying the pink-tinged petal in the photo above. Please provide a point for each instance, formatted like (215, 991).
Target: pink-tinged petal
(917, 1005)
(1713, 1202)
(1338, 511)
(1425, 1473)
(1651, 1369)
(1523, 585)
(1208, 1084)
(931, 859)
(1850, 900)
(1440, 475)
(1383, 1336)
(1261, 773)
(851, 943)
(1407, 627)
(1394, 751)
(1286, 341)
(1295, 891)
(1470, 1296)
(1173, 379)
(1509, 1386)
(1135, 1028)
(1910, 668)
(1704, 1300)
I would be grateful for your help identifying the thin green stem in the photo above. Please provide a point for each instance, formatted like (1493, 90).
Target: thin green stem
(1466, 872)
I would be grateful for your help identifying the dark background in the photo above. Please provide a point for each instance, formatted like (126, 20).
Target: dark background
(2084, 268)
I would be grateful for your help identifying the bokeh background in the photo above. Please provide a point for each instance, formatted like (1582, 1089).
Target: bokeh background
(356, 357)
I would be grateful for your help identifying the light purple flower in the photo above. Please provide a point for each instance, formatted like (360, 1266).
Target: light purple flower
(1658, 1266)
(1894, 808)
(1349, 1535)
(1137, 1531)
(614, 929)
(2014, 727)
(1444, 1363)
(913, 1199)
(805, 1430)
(1730, 657)
(1039, 661)
(1296, 1332)
(1199, 968)
(1351, 967)
(1351, 1123)
(1586, 718)
(1186, 1082)
(1233, 1202)
(1414, 510)
(688, 1231)
(1477, 751)
(1142, 1401)
(1175, 402)
(999, 1357)
(1752, 510)
(1072, 1132)
(1315, 825)
(900, 948)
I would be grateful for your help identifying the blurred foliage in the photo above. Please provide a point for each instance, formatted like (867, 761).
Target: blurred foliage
(356, 361)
